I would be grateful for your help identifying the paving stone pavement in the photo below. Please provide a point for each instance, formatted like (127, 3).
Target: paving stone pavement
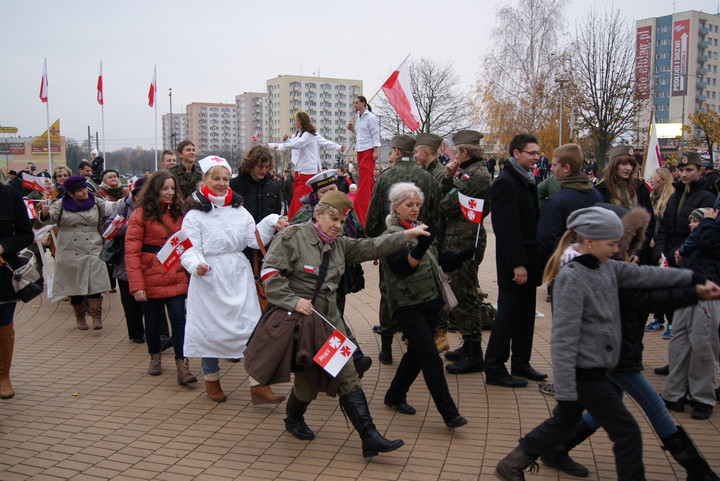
(85, 409)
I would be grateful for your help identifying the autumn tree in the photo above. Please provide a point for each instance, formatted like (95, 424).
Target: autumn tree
(707, 130)
(441, 105)
(602, 88)
(516, 90)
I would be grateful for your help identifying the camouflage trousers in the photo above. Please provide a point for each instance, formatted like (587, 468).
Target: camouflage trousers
(388, 326)
(467, 316)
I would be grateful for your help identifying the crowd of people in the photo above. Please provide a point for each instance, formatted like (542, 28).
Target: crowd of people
(272, 257)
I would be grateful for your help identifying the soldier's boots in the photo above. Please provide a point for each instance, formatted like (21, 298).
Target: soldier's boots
(386, 349)
(471, 361)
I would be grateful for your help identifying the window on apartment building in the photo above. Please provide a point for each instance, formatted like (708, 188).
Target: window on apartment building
(310, 85)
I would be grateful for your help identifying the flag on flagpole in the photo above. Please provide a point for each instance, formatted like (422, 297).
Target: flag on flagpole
(334, 354)
(44, 84)
(653, 160)
(471, 208)
(170, 253)
(398, 90)
(100, 87)
(153, 89)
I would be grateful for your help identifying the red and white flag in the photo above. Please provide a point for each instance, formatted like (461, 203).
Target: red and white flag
(472, 208)
(336, 351)
(153, 88)
(32, 213)
(256, 136)
(398, 91)
(114, 227)
(39, 183)
(170, 253)
(99, 87)
(664, 261)
(131, 182)
(44, 84)
(653, 160)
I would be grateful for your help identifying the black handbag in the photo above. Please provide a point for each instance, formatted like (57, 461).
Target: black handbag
(111, 250)
(27, 281)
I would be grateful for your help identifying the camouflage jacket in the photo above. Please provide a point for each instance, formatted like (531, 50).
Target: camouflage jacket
(187, 181)
(473, 181)
(405, 170)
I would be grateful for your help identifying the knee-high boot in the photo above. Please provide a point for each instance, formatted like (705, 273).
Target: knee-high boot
(687, 455)
(386, 349)
(80, 316)
(295, 420)
(355, 406)
(96, 312)
(560, 459)
(511, 467)
(7, 345)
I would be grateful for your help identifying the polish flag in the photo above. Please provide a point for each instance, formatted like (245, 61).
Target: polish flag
(131, 182)
(44, 84)
(256, 136)
(39, 183)
(334, 354)
(472, 208)
(99, 87)
(32, 213)
(153, 88)
(653, 160)
(114, 227)
(170, 253)
(398, 91)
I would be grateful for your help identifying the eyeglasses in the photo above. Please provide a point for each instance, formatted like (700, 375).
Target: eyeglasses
(530, 153)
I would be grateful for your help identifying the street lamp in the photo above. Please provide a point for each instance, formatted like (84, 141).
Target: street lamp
(172, 130)
(561, 81)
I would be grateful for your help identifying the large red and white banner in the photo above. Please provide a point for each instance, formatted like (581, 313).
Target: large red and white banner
(643, 63)
(39, 183)
(471, 208)
(679, 62)
(336, 351)
(170, 253)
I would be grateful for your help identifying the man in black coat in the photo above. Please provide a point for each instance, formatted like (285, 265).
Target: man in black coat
(261, 194)
(515, 211)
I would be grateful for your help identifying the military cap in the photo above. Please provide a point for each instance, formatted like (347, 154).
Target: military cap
(323, 179)
(337, 199)
(467, 137)
(689, 157)
(620, 150)
(404, 142)
(429, 139)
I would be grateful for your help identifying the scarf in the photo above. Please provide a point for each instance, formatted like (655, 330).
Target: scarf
(323, 236)
(217, 200)
(116, 192)
(73, 206)
(526, 175)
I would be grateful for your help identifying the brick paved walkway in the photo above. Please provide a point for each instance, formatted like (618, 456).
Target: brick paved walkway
(85, 409)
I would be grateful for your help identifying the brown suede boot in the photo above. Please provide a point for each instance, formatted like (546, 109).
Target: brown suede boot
(441, 340)
(155, 367)
(264, 395)
(80, 316)
(96, 312)
(184, 376)
(7, 345)
(215, 392)
(510, 468)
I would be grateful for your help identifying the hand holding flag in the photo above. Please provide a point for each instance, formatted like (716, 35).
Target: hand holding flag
(170, 253)
(114, 227)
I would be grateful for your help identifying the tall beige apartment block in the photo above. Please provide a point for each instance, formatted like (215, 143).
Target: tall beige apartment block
(251, 108)
(213, 129)
(178, 132)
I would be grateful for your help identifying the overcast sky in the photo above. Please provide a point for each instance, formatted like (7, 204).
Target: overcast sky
(213, 50)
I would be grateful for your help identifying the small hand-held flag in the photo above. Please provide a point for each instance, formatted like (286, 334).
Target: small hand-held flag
(398, 90)
(336, 351)
(170, 253)
(44, 84)
(100, 87)
(472, 208)
(114, 227)
(38, 183)
(32, 213)
(153, 89)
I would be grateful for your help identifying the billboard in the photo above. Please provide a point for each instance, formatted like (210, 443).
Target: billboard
(39, 145)
(643, 63)
(679, 62)
(12, 148)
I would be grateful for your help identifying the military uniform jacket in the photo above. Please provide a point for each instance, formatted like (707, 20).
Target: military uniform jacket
(405, 170)
(292, 265)
(421, 286)
(187, 181)
(473, 181)
(437, 170)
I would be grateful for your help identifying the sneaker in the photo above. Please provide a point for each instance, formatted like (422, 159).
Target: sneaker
(655, 325)
(547, 388)
(667, 335)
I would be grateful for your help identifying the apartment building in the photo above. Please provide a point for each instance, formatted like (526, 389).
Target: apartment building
(179, 131)
(213, 128)
(251, 108)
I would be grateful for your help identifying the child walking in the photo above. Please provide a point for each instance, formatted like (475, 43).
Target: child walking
(586, 341)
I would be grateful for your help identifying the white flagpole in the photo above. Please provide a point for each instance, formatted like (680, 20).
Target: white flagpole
(102, 112)
(155, 102)
(477, 239)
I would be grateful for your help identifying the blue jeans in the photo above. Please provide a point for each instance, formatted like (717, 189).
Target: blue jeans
(210, 365)
(635, 384)
(7, 311)
(153, 311)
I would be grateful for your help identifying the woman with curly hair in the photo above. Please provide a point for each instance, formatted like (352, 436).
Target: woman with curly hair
(156, 218)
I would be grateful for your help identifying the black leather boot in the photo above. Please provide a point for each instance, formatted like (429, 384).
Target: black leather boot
(295, 422)
(511, 467)
(472, 360)
(361, 361)
(386, 349)
(455, 355)
(355, 406)
(560, 459)
(686, 454)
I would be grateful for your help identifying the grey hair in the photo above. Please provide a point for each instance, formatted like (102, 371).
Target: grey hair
(399, 193)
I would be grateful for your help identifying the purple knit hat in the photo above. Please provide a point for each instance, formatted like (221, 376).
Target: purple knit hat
(75, 182)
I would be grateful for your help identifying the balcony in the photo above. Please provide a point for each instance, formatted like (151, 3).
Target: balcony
(703, 58)
(701, 84)
(703, 44)
(700, 97)
(702, 71)
(704, 31)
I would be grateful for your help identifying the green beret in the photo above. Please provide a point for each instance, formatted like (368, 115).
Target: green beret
(107, 171)
(338, 200)
(689, 157)
(429, 139)
(467, 137)
(404, 142)
(620, 150)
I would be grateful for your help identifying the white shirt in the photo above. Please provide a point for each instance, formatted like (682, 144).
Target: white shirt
(305, 155)
(367, 131)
